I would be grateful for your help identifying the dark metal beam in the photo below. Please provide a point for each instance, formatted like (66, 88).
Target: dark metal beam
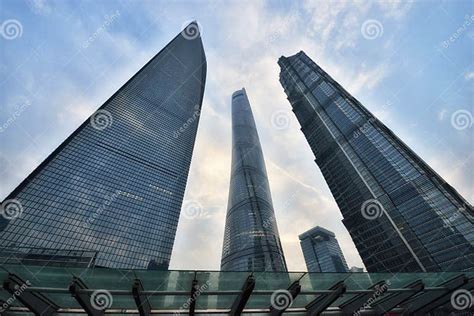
(392, 300)
(446, 299)
(143, 305)
(83, 298)
(192, 304)
(243, 297)
(293, 290)
(36, 302)
(357, 302)
(323, 301)
(425, 299)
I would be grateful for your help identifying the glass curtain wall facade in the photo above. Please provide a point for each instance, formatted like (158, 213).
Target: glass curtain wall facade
(401, 215)
(251, 238)
(116, 184)
(321, 251)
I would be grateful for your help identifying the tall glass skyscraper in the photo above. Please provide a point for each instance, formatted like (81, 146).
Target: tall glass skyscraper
(116, 184)
(251, 239)
(401, 215)
(321, 251)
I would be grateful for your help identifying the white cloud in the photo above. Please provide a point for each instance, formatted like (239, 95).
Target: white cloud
(469, 75)
(243, 43)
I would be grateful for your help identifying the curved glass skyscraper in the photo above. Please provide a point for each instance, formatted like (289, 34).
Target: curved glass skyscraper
(116, 184)
(401, 215)
(251, 239)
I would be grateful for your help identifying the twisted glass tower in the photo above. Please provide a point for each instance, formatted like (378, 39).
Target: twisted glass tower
(115, 186)
(401, 215)
(251, 239)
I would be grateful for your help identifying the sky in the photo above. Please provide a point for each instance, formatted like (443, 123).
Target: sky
(409, 63)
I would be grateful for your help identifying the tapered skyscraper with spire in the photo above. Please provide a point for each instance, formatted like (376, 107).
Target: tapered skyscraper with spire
(116, 185)
(401, 214)
(251, 238)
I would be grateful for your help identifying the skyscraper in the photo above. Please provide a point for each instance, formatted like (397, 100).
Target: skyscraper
(321, 251)
(116, 184)
(401, 215)
(251, 239)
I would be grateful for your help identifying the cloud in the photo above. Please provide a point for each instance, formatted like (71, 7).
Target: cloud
(469, 75)
(243, 42)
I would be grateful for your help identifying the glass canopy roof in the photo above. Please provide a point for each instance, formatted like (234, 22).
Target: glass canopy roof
(29, 290)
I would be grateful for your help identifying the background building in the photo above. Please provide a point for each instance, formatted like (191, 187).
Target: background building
(251, 239)
(402, 216)
(116, 184)
(321, 251)
(356, 269)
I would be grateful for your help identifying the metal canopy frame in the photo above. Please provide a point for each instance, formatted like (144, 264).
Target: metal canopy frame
(141, 300)
(294, 290)
(445, 299)
(311, 293)
(358, 301)
(388, 302)
(243, 297)
(323, 301)
(427, 299)
(77, 289)
(36, 302)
